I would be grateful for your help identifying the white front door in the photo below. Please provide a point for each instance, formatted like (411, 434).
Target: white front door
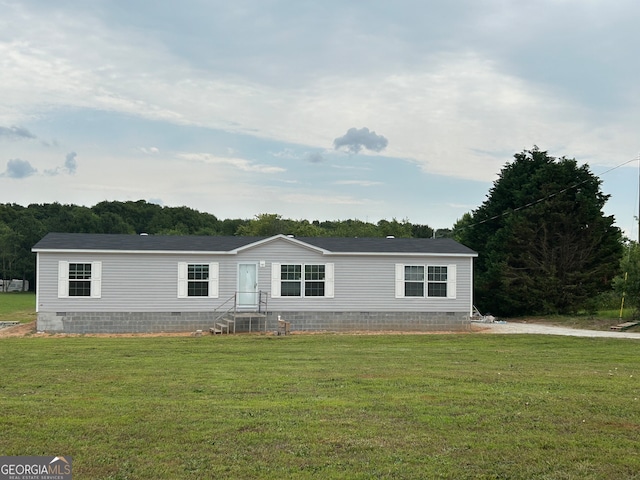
(247, 285)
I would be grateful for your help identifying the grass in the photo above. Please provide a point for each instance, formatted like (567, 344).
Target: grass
(18, 307)
(325, 406)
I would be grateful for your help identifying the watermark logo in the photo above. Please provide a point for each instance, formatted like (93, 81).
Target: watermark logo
(35, 468)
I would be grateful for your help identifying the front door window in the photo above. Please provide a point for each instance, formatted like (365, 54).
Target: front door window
(247, 285)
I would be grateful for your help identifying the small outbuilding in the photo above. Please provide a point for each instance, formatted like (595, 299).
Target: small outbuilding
(104, 283)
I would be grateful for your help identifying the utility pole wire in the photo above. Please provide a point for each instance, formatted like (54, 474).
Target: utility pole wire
(517, 209)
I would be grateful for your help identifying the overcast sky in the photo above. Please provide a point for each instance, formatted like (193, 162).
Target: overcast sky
(313, 109)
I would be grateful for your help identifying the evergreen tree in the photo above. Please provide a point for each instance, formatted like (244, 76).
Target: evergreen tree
(544, 243)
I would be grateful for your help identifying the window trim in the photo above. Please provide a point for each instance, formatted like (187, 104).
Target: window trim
(276, 280)
(451, 280)
(183, 279)
(63, 279)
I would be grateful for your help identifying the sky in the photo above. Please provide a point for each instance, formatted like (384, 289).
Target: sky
(318, 110)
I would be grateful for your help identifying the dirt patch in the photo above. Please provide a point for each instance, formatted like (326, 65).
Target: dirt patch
(29, 330)
(21, 330)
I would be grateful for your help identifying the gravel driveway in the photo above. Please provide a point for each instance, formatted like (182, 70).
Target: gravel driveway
(515, 327)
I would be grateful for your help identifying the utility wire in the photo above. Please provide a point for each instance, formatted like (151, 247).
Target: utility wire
(535, 202)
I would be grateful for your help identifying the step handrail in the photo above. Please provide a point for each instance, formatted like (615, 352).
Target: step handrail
(263, 298)
(232, 308)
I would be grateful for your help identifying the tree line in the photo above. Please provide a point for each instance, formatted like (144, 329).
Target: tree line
(22, 227)
(544, 243)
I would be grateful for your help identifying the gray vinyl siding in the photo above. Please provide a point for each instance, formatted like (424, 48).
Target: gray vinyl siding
(147, 282)
(362, 283)
(130, 282)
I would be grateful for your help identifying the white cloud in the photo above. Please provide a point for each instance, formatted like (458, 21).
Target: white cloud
(457, 90)
(150, 150)
(360, 183)
(438, 114)
(237, 163)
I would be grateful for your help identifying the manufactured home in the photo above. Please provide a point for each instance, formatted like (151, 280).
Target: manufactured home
(112, 283)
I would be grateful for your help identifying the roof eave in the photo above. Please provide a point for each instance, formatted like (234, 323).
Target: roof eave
(403, 254)
(99, 250)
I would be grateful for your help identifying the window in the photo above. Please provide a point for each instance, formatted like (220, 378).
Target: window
(314, 280)
(300, 280)
(431, 281)
(293, 284)
(79, 279)
(291, 276)
(413, 281)
(437, 281)
(197, 280)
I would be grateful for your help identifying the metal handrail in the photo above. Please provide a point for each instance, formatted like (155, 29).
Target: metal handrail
(261, 302)
(234, 308)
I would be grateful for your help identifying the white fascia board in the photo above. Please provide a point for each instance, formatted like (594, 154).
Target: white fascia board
(137, 252)
(238, 250)
(281, 237)
(402, 254)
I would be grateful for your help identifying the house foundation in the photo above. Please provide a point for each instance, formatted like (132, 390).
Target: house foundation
(175, 322)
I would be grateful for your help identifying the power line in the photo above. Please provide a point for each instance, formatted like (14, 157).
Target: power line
(543, 199)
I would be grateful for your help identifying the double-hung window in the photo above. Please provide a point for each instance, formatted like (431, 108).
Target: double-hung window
(197, 280)
(414, 281)
(302, 280)
(79, 279)
(291, 277)
(314, 278)
(431, 281)
(437, 281)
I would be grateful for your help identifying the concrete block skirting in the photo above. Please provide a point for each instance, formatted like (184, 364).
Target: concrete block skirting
(375, 321)
(157, 322)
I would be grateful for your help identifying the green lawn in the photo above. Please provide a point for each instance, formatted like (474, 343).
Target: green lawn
(17, 307)
(325, 406)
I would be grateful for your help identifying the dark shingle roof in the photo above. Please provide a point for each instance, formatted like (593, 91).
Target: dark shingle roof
(389, 245)
(100, 241)
(178, 243)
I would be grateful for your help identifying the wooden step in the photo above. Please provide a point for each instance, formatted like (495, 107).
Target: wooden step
(8, 324)
(214, 330)
(624, 326)
(229, 323)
